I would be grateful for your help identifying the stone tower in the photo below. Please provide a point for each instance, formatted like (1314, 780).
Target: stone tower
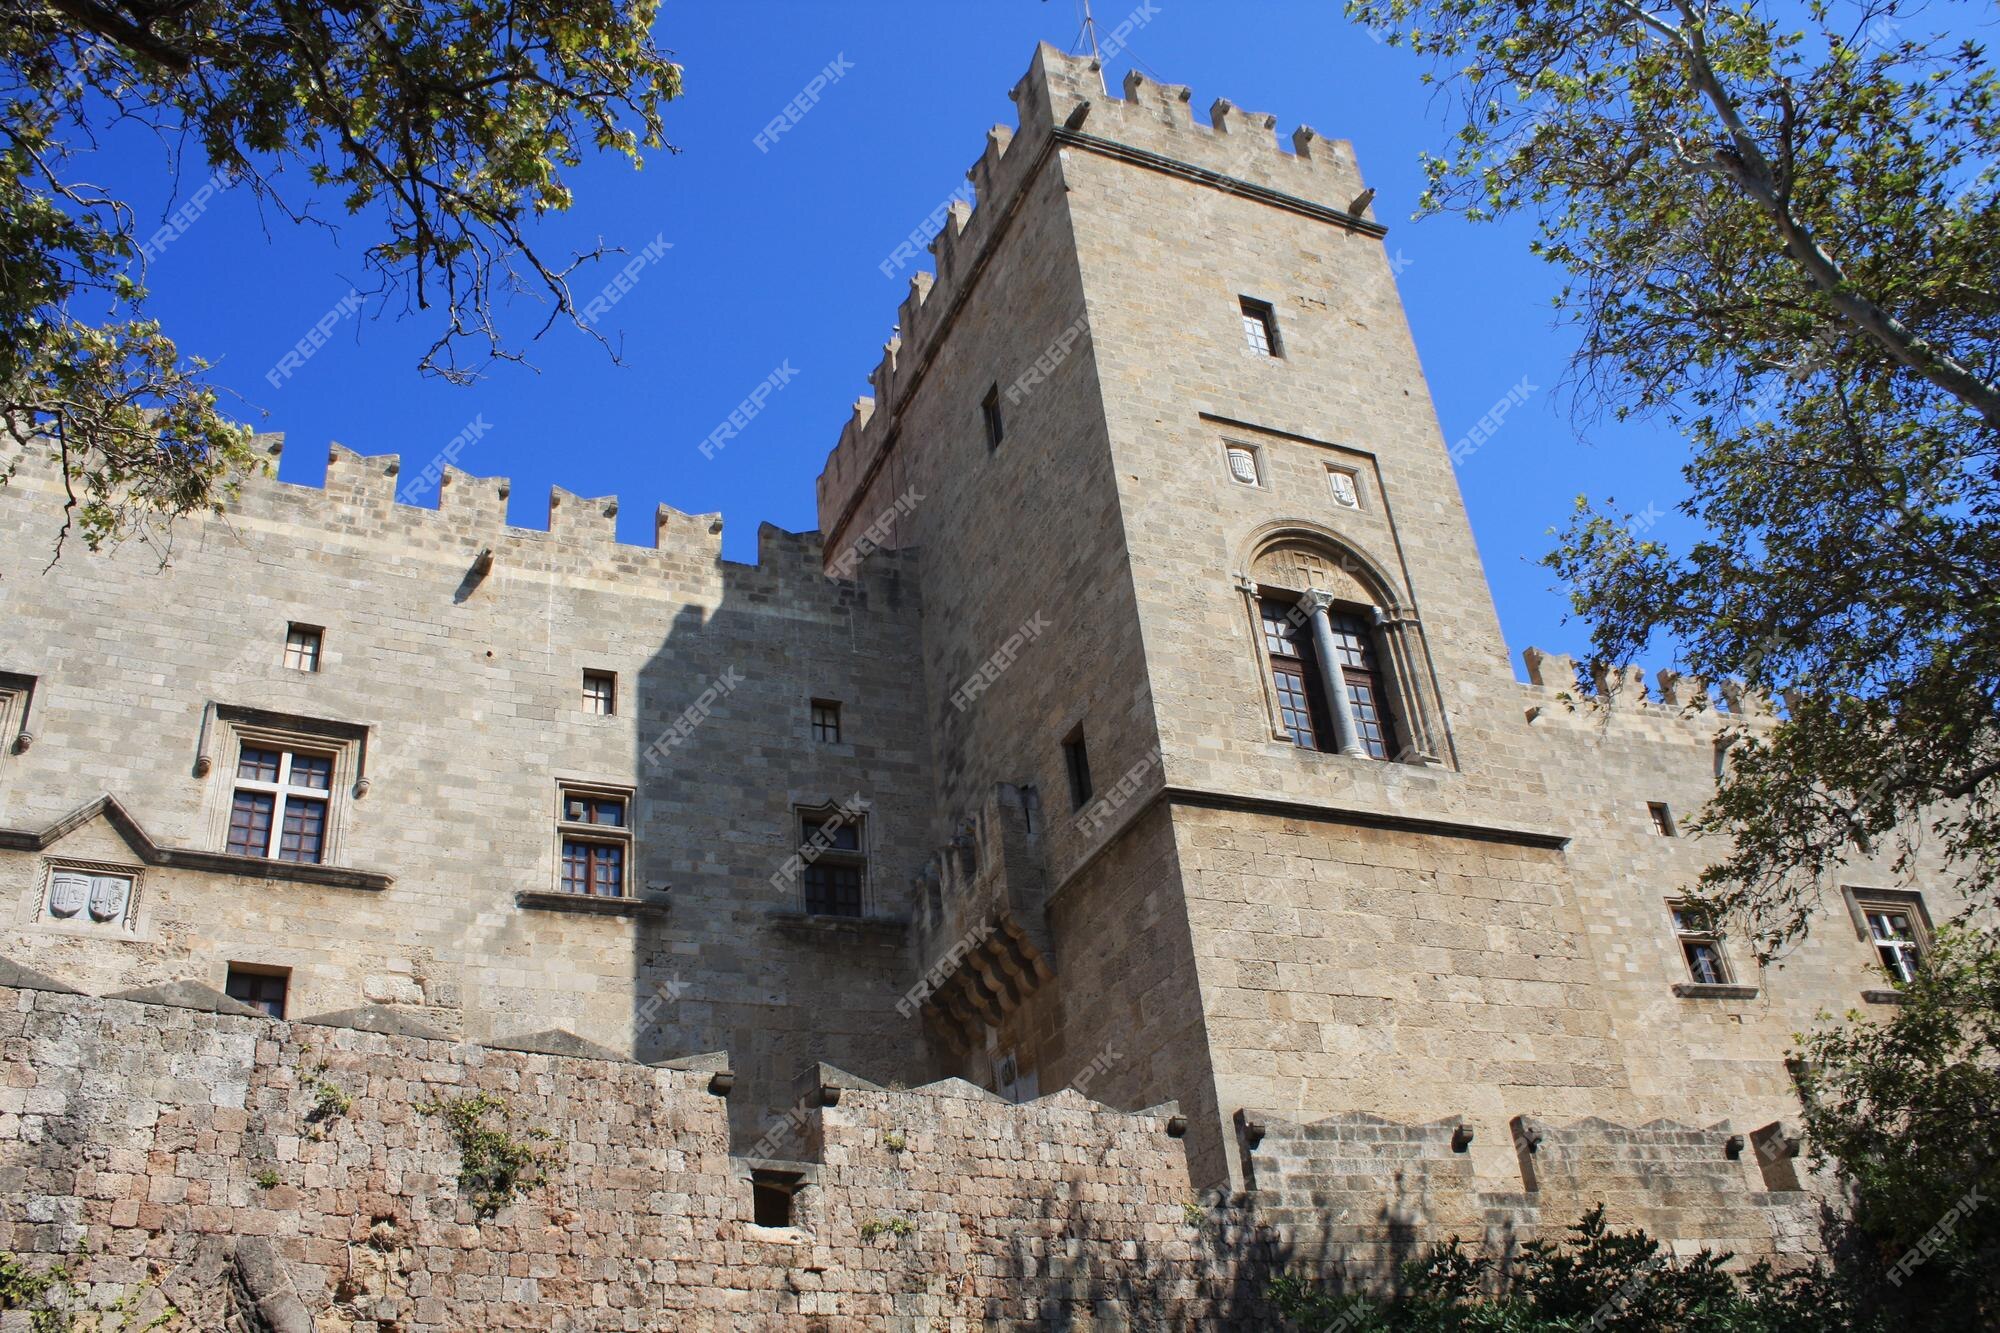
(1186, 518)
(1162, 786)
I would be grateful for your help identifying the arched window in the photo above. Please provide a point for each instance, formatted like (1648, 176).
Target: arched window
(1304, 688)
(1341, 668)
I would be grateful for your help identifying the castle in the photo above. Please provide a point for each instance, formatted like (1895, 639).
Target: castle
(1115, 843)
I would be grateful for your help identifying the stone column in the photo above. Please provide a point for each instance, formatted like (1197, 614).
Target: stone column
(1400, 644)
(1332, 678)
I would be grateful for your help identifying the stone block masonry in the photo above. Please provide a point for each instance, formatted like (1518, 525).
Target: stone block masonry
(205, 1156)
(1009, 785)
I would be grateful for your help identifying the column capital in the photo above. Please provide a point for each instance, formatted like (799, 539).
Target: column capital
(1317, 599)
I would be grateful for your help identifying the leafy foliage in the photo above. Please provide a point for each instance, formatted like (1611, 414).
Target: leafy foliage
(55, 1303)
(1909, 1111)
(1784, 242)
(1599, 1278)
(494, 1167)
(448, 127)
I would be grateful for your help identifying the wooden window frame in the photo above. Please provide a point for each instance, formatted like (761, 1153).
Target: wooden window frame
(1662, 816)
(284, 795)
(1366, 688)
(592, 835)
(820, 862)
(607, 694)
(221, 754)
(1914, 949)
(821, 728)
(1692, 934)
(1260, 328)
(1295, 673)
(310, 645)
(282, 975)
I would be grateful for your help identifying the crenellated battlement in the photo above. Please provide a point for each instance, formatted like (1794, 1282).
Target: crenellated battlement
(370, 495)
(1674, 694)
(1062, 100)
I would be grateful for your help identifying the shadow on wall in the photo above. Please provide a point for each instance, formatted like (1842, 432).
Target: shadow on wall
(726, 759)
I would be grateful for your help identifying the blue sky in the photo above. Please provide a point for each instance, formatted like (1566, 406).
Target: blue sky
(775, 262)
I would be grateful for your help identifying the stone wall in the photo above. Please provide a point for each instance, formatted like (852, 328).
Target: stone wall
(209, 1155)
(467, 689)
(196, 1149)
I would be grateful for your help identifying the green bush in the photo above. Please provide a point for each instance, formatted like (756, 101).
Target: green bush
(1597, 1279)
(493, 1166)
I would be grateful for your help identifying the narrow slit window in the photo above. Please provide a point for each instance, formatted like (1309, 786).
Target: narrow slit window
(1076, 763)
(989, 412)
(1663, 818)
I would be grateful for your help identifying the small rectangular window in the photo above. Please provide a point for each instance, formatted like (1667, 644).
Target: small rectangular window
(1895, 933)
(836, 863)
(989, 411)
(595, 838)
(260, 988)
(1260, 328)
(600, 693)
(302, 644)
(826, 721)
(1663, 818)
(1701, 946)
(771, 1196)
(278, 807)
(1076, 763)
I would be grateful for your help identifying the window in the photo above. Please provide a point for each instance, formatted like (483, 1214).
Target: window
(989, 411)
(1242, 460)
(1260, 328)
(596, 839)
(1300, 685)
(1663, 818)
(302, 647)
(279, 804)
(1346, 486)
(1076, 762)
(826, 721)
(771, 1195)
(835, 863)
(1701, 945)
(260, 988)
(600, 693)
(1356, 647)
(1892, 929)
(1295, 674)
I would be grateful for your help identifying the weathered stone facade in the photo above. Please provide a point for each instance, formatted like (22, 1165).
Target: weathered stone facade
(1370, 1001)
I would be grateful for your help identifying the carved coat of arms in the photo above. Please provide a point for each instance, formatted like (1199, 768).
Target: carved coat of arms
(108, 896)
(68, 894)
